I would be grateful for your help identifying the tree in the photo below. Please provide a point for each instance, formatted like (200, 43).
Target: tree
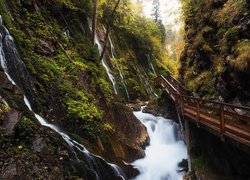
(163, 31)
(156, 10)
(94, 22)
(108, 27)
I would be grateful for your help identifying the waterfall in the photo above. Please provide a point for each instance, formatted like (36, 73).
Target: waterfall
(74, 146)
(151, 64)
(104, 63)
(4, 102)
(113, 54)
(165, 151)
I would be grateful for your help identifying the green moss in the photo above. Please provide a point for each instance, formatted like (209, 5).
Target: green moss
(242, 59)
(214, 30)
(25, 128)
(232, 34)
(83, 109)
(198, 162)
(231, 9)
(199, 83)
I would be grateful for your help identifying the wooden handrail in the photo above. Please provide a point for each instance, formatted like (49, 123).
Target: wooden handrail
(215, 116)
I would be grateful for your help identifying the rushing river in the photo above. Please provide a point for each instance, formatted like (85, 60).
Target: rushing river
(165, 151)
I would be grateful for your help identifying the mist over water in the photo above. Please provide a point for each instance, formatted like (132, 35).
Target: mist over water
(165, 151)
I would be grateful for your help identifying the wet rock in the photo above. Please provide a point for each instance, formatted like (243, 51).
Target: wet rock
(136, 107)
(10, 120)
(39, 144)
(128, 139)
(64, 154)
(183, 165)
(46, 48)
(151, 109)
(165, 109)
(9, 169)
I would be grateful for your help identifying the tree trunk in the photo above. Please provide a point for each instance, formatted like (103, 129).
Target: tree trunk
(108, 27)
(94, 21)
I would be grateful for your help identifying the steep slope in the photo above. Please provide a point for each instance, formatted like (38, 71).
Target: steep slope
(62, 76)
(217, 49)
(215, 65)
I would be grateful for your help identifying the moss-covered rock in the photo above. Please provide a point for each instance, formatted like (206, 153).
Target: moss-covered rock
(217, 35)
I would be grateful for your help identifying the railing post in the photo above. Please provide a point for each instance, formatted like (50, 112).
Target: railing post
(198, 112)
(181, 99)
(222, 121)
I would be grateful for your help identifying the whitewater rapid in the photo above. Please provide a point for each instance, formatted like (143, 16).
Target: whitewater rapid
(165, 151)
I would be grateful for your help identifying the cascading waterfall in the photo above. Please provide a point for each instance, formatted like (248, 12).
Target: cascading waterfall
(75, 147)
(104, 63)
(119, 69)
(147, 84)
(165, 151)
(150, 63)
(4, 102)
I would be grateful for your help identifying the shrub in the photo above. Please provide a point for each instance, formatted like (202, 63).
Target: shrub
(25, 128)
(242, 49)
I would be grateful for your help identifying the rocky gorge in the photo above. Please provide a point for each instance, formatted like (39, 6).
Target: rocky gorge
(78, 97)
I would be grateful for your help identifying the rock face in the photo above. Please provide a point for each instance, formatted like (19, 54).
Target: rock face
(12, 115)
(127, 140)
(10, 120)
(212, 157)
(65, 82)
(216, 58)
(215, 63)
(163, 107)
(128, 129)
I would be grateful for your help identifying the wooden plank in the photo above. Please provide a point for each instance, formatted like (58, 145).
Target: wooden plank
(219, 120)
(209, 120)
(238, 139)
(222, 119)
(238, 126)
(237, 132)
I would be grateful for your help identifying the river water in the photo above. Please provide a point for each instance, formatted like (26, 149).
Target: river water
(165, 151)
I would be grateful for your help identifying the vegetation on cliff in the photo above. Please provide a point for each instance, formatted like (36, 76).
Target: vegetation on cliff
(215, 65)
(69, 85)
(217, 46)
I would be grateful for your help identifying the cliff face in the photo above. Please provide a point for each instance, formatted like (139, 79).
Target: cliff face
(65, 81)
(216, 62)
(216, 57)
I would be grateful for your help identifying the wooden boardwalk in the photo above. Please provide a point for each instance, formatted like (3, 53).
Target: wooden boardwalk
(222, 119)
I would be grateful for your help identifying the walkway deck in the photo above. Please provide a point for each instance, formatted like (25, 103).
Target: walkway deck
(222, 119)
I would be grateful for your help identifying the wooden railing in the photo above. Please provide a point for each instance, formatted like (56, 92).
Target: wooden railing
(224, 120)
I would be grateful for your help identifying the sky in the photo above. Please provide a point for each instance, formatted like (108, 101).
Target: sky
(170, 11)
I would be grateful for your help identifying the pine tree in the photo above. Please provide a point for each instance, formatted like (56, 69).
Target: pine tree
(94, 21)
(156, 10)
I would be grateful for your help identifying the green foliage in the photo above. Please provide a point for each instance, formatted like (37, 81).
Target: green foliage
(231, 9)
(232, 34)
(25, 128)
(83, 109)
(59, 4)
(3, 109)
(134, 38)
(198, 162)
(242, 59)
(60, 75)
(199, 83)
(214, 30)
